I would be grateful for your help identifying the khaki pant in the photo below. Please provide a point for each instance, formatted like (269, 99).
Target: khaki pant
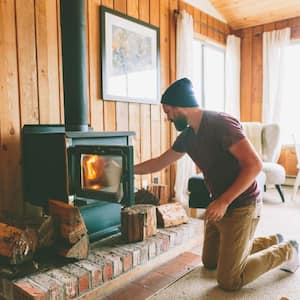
(229, 247)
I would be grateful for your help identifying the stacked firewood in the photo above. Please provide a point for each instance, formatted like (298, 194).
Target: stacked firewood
(63, 229)
(20, 237)
(140, 221)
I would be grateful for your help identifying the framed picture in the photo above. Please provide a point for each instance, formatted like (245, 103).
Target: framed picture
(130, 58)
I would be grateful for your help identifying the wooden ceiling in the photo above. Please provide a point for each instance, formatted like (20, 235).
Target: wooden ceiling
(247, 13)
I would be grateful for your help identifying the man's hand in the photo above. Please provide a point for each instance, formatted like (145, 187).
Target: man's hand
(215, 210)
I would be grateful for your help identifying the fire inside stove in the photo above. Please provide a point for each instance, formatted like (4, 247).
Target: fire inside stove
(101, 172)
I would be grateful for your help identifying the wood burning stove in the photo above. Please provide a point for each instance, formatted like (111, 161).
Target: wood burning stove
(92, 170)
(72, 163)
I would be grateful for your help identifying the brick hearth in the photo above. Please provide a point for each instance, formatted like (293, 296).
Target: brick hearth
(111, 263)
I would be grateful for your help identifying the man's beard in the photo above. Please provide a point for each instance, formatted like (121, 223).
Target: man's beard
(180, 123)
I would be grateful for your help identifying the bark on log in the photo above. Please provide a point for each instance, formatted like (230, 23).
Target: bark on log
(21, 236)
(46, 235)
(143, 196)
(16, 244)
(138, 222)
(42, 225)
(68, 220)
(160, 191)
(78, 250)
(171, 214)
(72, 233)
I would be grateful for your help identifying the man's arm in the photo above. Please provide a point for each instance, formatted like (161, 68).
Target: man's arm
(250, 164)
(157, 163)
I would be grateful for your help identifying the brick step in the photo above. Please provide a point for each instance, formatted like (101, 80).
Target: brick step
(110, 264)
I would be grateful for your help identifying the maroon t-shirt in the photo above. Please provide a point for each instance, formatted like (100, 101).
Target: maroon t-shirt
(208, 148)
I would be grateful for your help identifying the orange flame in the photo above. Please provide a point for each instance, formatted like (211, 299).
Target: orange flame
(93, 167)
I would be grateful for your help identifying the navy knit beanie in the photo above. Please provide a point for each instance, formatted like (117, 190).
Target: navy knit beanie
(180, 93)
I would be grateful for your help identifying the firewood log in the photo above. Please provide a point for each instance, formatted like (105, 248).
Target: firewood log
(69, 221)
(171, 214)
(160, 191)
(45, 230)
(138, 222)
(72, 233)
(78, 250)
(16, 244)
(42, 225)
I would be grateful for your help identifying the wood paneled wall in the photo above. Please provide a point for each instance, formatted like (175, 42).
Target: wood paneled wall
(251, 65)
(31, 87)
(251, 77)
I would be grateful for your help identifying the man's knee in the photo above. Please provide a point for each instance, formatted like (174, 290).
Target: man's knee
(229, 284)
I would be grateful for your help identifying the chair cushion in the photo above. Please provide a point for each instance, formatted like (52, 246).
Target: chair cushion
(253, 131)
(261, 181)
(275, 173)
(271, 146)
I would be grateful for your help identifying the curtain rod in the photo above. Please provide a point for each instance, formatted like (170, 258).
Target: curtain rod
(177, 12)
(297, 27)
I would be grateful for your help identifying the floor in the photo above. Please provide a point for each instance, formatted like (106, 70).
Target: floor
(159, 278)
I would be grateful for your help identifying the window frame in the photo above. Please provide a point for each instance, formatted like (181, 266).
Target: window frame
(219, 47)
(287, 141)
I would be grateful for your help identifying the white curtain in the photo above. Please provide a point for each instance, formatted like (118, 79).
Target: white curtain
(232, 75)
(274, 43)
(184, 65)
(184, 45)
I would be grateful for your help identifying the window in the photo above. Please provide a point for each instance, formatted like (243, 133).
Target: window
(290, 123)
(209, 75)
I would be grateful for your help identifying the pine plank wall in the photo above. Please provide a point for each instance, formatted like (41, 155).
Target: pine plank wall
(31, 87)
(251, 78)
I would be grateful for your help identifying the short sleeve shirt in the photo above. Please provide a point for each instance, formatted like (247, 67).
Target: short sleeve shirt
(209, 149)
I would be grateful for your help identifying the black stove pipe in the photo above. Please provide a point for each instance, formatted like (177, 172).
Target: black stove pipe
(73, 26)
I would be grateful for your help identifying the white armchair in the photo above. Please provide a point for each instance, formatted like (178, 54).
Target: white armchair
(266, 140)
(297, 180)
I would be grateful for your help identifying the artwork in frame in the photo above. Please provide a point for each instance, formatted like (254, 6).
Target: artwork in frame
(130, 58)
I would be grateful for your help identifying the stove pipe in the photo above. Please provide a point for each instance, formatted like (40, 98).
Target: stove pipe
(73, 26)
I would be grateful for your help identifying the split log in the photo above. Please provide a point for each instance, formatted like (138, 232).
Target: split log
(171, 214)
(17, 245)
(68, 220)
(20, 237)
(160, 191)
(72, 233)
(42, 225)
(46, 235)
(78, 250)
(138, 222)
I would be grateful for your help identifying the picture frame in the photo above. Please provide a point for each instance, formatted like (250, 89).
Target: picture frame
(130, 58)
